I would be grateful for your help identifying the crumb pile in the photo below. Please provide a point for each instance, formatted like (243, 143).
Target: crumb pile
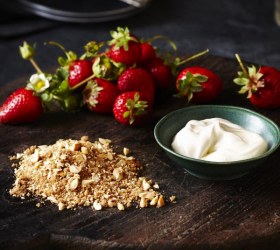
(74, 173)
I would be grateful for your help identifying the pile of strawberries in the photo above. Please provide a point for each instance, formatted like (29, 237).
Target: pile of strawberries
(123, 76)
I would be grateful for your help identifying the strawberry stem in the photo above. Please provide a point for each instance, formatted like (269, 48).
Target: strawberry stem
(57, 45)
(192, 57)
(157, 37)
(35, 65)
(82, 82)
(242, 66)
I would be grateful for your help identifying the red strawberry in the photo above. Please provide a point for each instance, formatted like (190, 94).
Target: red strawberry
(137, 79)
(21, 106)
(162, 74)
(148, 53)
(198, 84)
(130, 108)
(79, 70)
(262, 85)
(99, 95)
(125, 48)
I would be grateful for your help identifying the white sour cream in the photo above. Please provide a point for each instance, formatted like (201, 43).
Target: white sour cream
(217, 140)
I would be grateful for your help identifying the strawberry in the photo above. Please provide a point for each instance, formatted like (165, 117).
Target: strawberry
(198, 84)
(137, 79)
(79, 70)
(125, 48)
(131, 108)
(161, 73)
(262, 85)
(148, 53)
(21, 106)
(99, 95)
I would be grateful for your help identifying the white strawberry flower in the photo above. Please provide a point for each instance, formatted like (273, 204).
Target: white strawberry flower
(38, 83)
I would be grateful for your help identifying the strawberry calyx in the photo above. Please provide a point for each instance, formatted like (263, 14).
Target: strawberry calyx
(104, 67)
(250, 80)
(121, 38)
(91, 92)
(27, 51)
(92, 49)
(189, 84)
(135, 107)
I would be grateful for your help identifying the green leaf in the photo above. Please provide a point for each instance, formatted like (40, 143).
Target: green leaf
(258, 75)
(241, 81)
(63, 87)
(190, 96)
(200, 78)
(252, 70)
(126, 114)
(243, 90)
(130, 104)
(240, 74)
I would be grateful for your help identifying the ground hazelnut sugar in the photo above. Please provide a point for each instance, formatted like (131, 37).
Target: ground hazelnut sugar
(74, 173)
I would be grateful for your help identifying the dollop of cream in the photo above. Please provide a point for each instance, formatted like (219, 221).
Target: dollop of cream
(218, 140)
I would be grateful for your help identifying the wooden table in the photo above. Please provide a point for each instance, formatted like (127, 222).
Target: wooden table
(237, 214)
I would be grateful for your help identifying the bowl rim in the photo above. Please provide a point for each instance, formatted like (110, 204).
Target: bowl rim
(231, 107)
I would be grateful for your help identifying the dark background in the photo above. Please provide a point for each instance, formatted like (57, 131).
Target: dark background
(225, 27)
(239, 214)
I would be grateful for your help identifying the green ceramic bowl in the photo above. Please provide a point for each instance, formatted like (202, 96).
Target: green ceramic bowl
(170, 124)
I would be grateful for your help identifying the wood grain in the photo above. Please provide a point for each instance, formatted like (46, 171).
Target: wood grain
(237, 214)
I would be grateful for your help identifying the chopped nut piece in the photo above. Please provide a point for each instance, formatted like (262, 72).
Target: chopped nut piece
(84, 150)
(84, 138)
(118, 173)
(104, 141)
(73, 183)
(146, 185)
(87, 182)
(97, 205)
(52, 199)
(35, 157)
(148, 195)
(154, 201)
(156, 186)
(95, 177)
(143, 203)
(75, 169)
(126, 151)
(110, 156)
(161, 201)
(60, 206)
(172, 198)
(76, 146)
(120, 206)
(112, 203)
